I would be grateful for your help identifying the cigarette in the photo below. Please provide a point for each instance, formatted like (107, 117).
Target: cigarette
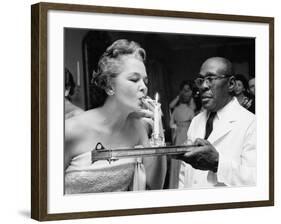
(147, 100)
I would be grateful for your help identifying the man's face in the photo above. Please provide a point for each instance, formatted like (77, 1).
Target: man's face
(252, 86)
(214, 94)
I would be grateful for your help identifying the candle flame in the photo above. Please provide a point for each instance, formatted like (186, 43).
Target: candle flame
(156, 97)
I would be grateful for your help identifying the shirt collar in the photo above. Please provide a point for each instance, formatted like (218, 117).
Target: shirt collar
(223, 112)
(226, 109)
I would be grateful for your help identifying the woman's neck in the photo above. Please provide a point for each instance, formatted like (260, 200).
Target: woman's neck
(185, 103)
(240, 97)
(114, 117)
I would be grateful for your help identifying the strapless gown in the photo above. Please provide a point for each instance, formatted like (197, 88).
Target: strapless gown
(83, 176)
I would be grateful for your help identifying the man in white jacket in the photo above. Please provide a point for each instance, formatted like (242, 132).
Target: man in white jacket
(224, 134)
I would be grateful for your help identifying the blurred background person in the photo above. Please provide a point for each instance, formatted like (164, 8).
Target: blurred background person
(252, 89)
(252, 86)
(70, 109)
(241, 92)
(182, 114)
(181, 117)
(184, 86)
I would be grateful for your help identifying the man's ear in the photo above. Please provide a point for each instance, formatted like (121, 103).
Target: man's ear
(231, 84)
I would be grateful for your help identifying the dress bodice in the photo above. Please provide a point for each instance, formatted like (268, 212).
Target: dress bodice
(83, 176)
(183, 113)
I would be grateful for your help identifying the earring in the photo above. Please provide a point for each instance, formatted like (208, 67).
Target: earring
(110, 92)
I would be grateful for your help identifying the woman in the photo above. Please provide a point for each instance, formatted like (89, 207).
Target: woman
(182, 114)
(180, 121)
(241, 92)
(175, 102)
(121, 81)
(70, 109)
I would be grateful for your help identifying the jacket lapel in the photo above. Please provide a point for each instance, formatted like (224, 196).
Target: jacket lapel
(225, 123)
(224, 127)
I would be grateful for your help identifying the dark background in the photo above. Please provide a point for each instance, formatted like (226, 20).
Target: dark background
(171, 58)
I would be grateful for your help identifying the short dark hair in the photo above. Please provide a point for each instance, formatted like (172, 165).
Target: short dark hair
(186, 82)
(243, 79)
(228, 70)
(69, 81)
(229, 67)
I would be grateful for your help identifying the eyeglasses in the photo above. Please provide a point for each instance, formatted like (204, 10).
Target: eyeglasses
(209, 79)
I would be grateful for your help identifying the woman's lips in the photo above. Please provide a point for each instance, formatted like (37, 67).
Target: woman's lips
(146, 100)
(142, 101)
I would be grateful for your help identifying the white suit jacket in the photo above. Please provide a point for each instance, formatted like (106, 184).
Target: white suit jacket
(234, 137)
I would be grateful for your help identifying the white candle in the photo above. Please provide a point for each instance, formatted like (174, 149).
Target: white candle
(78, 74)
(156, 116)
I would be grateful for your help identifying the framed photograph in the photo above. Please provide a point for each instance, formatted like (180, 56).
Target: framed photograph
(138, 111)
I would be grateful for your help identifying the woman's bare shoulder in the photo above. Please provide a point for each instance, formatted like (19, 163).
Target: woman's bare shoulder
(75, 126)
(76, 134)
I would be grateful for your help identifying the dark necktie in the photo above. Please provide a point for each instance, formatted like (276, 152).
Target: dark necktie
(209, 124)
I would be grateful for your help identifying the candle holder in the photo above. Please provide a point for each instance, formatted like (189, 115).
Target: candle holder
(157, 137)
(157, 140)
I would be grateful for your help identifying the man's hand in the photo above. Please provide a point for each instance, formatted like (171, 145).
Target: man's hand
(204, 156)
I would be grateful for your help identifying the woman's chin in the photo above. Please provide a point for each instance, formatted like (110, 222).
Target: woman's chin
(137, 109)
(237, 93)
(139, 106)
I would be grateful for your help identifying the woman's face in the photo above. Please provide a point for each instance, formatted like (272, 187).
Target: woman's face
(130, 85)
(239, 87)
(186, 93)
